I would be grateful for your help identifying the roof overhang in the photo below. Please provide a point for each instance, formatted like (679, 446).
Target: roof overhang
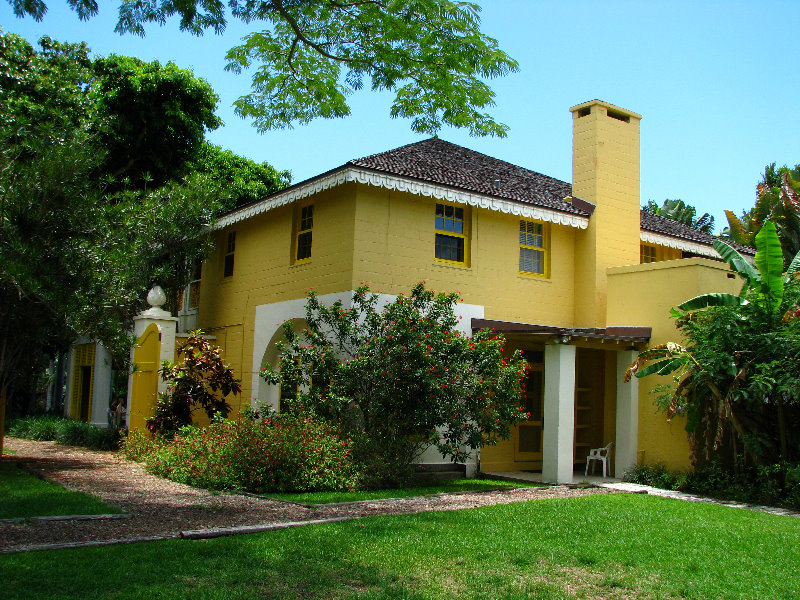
(344, 175)
(631, 334)
(648, 237)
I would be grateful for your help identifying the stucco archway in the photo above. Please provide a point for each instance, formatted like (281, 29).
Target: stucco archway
(267, 393)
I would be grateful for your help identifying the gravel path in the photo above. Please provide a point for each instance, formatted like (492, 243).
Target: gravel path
(160, 508)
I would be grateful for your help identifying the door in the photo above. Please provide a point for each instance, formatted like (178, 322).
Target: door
(528, 436)
(86, 390)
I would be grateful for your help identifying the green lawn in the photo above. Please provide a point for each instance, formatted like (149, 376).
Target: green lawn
(606, 546)
(419, 489)
(25, 495)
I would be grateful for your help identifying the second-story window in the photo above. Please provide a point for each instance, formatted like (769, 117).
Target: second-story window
(451, 239)
(533, 247)
(230, 248)
(303, 235)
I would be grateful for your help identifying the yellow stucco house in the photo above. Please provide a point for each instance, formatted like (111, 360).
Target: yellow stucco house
(574, 275)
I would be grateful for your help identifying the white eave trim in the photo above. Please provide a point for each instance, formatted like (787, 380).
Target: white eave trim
(391, 182)
(649, 237)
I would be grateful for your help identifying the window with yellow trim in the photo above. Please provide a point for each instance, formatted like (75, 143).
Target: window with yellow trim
(451, 234)
(303, 234)
(647, 253)
(533, 247)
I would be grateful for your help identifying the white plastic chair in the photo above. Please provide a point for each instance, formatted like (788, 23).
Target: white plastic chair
(599, 454)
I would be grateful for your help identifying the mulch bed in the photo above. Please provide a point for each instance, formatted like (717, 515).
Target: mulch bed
(161, 509)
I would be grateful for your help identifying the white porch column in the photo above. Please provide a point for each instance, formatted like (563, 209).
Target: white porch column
(559, 413)
(627, 415)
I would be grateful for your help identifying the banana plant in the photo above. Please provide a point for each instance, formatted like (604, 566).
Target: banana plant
(763, 282)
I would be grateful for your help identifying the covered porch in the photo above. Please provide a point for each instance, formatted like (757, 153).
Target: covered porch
(576, 398)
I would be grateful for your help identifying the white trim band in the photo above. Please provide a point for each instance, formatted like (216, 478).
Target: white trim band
(671, 242)
(390, 182)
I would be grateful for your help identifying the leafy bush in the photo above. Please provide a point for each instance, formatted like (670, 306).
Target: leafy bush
(400, 377)
(655, 475)
(199, 380)
(64, 431)
(774, 485)
(281, 453)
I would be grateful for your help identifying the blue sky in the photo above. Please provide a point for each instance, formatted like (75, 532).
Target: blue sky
(715, 82)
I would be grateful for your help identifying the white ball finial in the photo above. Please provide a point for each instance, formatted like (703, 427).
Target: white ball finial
(156, 297)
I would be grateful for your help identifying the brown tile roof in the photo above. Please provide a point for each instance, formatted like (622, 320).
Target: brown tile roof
(443, 163)
(671, 228)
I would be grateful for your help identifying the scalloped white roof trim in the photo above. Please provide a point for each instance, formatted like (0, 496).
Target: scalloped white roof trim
(671, 242)
(400, 184)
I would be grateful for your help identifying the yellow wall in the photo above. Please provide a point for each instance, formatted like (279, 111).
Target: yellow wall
(394, 249)
(644, 295)
(605, 172)
(264, 272)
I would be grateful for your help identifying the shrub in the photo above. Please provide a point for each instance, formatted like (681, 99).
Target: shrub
(655, 475)
(199, 380)
(64, 431)
(775, 485)
(137, 446)
(400, 377)
(281, 453)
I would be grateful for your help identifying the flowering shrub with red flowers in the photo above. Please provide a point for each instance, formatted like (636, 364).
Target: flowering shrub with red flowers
(281, 453)
(400, 377)
(199, 380)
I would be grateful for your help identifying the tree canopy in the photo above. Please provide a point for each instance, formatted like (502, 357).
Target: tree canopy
(678, 210)
(308, 56)
(99, 197)
(778, 201)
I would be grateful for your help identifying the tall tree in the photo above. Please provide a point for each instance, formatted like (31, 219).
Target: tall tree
(309, 55)
(242, 180)
(777, 200)
(678, 210)
(85, 229)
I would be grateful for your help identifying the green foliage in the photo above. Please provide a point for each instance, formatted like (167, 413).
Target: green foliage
(282, 453)
(309, 56)
(772, 485)
(199, 380)
(656, 475)
(64, 431)
(400, 377)
(738, 377)
(242, 180)
(156, 117)
(99, 198)
(678, 210)
(777, 201)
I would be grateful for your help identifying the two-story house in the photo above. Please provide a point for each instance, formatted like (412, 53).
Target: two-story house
(574, 275)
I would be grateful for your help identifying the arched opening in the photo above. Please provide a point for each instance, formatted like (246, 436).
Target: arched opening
(267, 393)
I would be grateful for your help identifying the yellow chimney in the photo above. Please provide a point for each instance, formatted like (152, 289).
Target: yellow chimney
(605, 172)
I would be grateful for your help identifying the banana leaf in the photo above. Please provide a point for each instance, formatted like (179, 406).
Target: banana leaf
(664, 367)
(793, 267)
(737, 262)
(715, 299)
(769, 261)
